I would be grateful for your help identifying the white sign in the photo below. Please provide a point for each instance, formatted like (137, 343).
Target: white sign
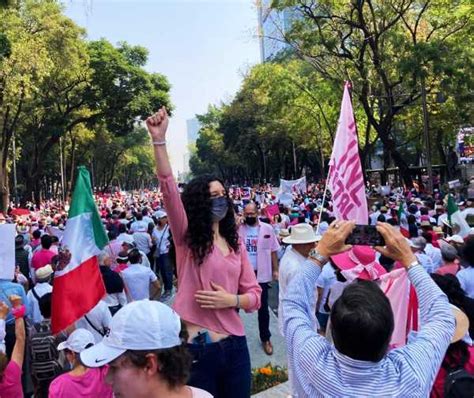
(292, 186)
(7, 251)
(454, 184)
(288, 188)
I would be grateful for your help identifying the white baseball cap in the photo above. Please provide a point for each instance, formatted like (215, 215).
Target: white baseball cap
(140, 325)
(77, 341)
(160, 214)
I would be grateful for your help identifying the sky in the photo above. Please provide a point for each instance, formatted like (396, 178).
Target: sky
(203, 47)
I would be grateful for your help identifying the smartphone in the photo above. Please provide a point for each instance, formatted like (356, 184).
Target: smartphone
(365, 235)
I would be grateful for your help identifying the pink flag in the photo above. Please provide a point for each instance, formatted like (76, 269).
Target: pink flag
(272, 210)
(346, 180)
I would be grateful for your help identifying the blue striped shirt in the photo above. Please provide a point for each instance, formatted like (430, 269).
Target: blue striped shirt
(321, 371)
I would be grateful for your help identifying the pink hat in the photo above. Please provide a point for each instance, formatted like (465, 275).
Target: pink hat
(359, 262)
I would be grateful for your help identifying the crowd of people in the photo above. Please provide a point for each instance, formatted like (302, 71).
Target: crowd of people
(182, 262)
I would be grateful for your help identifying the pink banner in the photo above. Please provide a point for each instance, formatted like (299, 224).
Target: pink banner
(272, 210)
(346, 180)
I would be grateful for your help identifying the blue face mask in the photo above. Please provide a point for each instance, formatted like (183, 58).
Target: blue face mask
(219, 207)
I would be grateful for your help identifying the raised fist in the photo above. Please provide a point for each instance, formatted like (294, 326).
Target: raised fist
(157, 125)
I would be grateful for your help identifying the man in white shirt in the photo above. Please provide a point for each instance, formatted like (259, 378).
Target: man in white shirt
(127, 247)
(375, 214)
(417, 246)
(97, 321)
(161, 238)
(138, 278)
(432, 252)
(143, 241)
(123, 235)
(139, 224)
(43, 286)
(302, 239)
(466, 275)
(146, 218)
(262, 247)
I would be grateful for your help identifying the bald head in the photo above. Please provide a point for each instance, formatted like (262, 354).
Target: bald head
(251, 214)
(250, 208)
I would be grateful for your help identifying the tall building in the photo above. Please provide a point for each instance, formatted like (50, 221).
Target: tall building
(192, 132)
(273, 25)
(193, 128)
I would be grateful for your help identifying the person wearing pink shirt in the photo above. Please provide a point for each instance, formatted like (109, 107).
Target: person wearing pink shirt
(44, 255)
(451, 263)
(10, 370)
(81, 381)
(215, 277)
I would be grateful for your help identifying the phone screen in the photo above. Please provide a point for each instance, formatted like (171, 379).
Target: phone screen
(365, 235)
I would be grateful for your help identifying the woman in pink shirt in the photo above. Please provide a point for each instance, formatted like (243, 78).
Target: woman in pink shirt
(80, 381)
(214, 274)
(10, 371)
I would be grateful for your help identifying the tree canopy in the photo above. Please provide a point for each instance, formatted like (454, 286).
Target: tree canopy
(64, 96)
(283, 118)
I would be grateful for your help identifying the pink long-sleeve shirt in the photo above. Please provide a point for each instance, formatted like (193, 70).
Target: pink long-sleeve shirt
(233, 272)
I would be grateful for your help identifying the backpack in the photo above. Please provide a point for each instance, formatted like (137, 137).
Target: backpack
(459, 383)
(44, 353)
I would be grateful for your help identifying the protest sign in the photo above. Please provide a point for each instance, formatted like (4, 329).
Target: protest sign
(7, 251)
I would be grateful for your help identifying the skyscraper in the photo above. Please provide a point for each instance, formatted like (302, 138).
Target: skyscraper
(192, 133)
(193, 128)
(273, 25)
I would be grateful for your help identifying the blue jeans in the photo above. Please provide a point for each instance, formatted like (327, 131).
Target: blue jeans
(163, 266)
(222, 368)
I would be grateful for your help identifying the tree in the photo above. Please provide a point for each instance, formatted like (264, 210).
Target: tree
(56, 86)
(388, 49)
(24, 65)
(281, 123)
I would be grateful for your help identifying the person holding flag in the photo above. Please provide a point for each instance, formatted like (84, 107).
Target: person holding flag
(456, 220)
(78, 284)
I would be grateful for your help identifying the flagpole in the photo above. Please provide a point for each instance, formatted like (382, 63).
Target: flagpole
(324, 198)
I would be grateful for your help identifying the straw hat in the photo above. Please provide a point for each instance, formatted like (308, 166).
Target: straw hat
(44, 272)
(462, 324)
(284, 233)
(301, 234)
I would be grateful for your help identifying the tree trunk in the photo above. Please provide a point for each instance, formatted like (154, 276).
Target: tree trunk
(4, 190)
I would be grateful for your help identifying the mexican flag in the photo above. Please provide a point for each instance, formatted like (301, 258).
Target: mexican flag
(456, 219)
(78, 284)
(402, 221)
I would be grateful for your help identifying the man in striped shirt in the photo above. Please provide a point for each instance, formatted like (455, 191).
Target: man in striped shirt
(359, 365)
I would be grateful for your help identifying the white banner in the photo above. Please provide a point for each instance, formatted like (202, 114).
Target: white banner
(454, 184)
(291, 186)
(7, 251)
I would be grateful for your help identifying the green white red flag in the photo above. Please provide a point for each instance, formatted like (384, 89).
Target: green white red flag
(402, 221)
(78, 284)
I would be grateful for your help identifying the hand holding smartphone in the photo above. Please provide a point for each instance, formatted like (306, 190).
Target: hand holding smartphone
(365, 235)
